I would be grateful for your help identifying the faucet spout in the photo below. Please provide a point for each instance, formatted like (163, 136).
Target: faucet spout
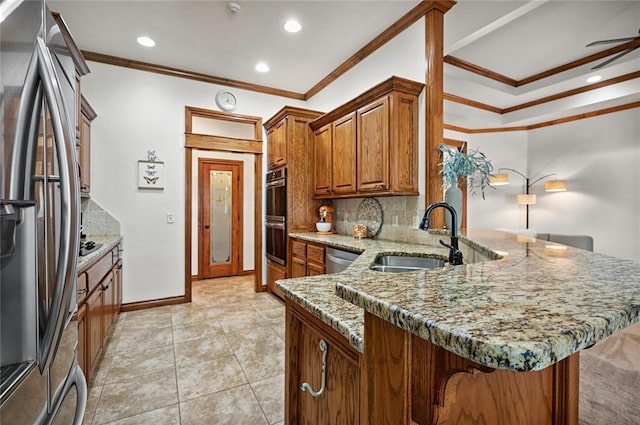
(455, 255)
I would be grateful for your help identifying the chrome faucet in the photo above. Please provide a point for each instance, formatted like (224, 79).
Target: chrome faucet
(455, 255)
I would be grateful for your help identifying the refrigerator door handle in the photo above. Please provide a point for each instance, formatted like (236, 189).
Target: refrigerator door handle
(22, 160)
(66, 265)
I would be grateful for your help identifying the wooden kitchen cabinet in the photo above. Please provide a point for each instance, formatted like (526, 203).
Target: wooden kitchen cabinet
(369, 145)
(307, 259)
(277, 145)
(335, 157)
(373, 146)
(340, 401)
(84, 148)
(99, 302)
(275, 272)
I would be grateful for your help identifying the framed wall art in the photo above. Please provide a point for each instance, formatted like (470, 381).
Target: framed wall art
(151, 175)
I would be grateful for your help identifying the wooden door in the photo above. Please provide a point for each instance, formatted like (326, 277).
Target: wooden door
(108, 307)
(220, 220)
(344, 155)
(298, 267)
(82, 338)
(373, 146)
(322, 161)
(94, 319)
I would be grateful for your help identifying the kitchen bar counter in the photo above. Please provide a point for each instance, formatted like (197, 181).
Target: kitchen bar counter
(534, 307)
(108, 243)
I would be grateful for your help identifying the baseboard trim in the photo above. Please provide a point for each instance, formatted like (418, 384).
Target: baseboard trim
(246, 272)
(195, 277)
(142, 305)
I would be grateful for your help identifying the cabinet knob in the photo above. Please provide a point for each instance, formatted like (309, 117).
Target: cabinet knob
(206, 226)
(306, 387)
(382, 185)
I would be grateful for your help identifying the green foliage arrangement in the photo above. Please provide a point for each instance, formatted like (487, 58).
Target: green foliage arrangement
(474, 165)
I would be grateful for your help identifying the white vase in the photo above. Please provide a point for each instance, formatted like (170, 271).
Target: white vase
(453, 197)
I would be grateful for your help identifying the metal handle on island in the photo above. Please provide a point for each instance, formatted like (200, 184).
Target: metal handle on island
(306, 387)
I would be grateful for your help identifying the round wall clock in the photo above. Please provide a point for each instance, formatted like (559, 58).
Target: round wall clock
(226, 100)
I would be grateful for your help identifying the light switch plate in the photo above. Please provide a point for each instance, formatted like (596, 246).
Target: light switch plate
(170, 218)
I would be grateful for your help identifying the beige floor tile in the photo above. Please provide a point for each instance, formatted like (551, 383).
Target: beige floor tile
(241, 321)
(169, 415)
(236, 406)
(99, 376)
(280, 329)
(192, 331)
(143, 339)
(146, 320)
(198, 315)
(270, 395)
(209, 377)
(256, 339)
(191, 353)
(131, 365)
(92, 404)
(275, 315)
(258, 365)
(129, 398)
(266, 302)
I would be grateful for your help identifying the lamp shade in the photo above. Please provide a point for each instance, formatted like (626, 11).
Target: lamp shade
(499, 179)
(555, 186)
(526, 199)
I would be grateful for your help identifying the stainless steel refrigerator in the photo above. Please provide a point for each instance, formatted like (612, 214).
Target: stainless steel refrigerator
(40, 380)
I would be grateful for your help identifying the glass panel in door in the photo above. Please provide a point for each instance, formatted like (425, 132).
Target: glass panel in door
(220, 216)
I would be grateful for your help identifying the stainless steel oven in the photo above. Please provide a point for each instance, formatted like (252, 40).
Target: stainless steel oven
(277, 195)
(276, 233)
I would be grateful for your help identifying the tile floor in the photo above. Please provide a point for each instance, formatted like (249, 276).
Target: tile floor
(217, 360)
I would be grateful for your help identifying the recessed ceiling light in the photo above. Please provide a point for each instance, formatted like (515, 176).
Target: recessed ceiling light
(262, 67)
(594, 79)
(146, 41)
(292, 26)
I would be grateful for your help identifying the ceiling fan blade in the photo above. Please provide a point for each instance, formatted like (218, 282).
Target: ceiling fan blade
(618, 56)
(614, 40)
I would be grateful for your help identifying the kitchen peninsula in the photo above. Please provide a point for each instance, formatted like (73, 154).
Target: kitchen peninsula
(493, 341)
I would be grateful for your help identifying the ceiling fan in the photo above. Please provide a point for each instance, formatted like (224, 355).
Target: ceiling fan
(625, 40)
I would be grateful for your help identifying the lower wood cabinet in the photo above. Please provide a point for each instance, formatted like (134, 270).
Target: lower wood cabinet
(307, 259)
(309, 343)
(99, 301)
(275, 272)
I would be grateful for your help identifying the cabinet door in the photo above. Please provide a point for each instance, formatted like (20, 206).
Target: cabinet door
(339, 403)
(314, 269)
(108, 289)
(344, 155)
(94, 319)
(280, 143)
(322, 161)
(117, 282)
(275, 272)
(373, 146)
(298, 267)
(84, 155)
(82, 338)
(271, 148)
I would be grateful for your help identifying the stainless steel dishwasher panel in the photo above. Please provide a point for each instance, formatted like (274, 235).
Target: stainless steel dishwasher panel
(337, 260)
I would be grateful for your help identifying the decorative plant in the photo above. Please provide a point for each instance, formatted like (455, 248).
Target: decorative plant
(473, 165)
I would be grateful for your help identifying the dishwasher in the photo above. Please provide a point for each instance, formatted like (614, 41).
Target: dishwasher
(337, 260)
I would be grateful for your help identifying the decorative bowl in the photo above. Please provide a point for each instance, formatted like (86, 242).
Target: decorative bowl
(323, 227)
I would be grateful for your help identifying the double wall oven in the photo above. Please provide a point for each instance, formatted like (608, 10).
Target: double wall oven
(276, 224)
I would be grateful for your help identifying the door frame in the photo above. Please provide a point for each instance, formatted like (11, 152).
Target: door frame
(240, 235)
(215, 143)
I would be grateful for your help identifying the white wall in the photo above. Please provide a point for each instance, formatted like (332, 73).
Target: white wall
(138, 111)
(600, 158)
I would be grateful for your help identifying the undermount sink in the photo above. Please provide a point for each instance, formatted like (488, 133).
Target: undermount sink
(404, 263)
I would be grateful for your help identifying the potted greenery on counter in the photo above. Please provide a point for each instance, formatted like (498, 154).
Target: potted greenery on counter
(474, 166)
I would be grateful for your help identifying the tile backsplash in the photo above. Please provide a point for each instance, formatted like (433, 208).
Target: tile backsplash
(97, 220)
(400, 218)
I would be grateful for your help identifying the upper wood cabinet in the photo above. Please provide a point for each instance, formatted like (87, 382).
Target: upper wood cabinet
(335, 157)
(277, 145)
(84, 146)
(369, 145)
(289, 144)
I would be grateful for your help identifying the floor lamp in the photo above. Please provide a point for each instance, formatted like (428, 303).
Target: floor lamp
(526, 199)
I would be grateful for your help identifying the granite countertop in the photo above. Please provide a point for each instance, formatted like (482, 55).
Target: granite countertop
(535, 306)
(107, 241)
